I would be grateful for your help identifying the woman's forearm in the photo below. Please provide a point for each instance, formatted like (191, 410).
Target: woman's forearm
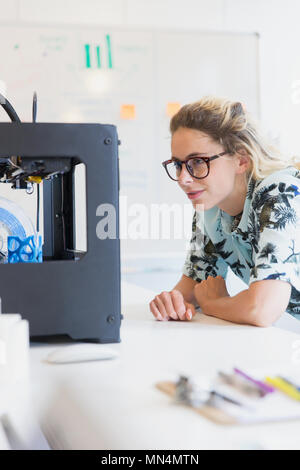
(240, 308)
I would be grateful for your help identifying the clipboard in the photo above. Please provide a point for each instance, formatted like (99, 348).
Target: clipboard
(214, 414)
(275, 408)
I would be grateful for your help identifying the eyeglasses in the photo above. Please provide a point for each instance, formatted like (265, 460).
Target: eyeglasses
(198, 167)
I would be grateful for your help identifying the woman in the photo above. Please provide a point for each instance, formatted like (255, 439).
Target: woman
(247, 216)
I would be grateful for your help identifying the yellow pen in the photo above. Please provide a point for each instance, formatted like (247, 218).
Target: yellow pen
(284, 387)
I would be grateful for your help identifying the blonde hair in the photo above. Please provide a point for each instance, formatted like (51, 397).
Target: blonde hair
(228, 123)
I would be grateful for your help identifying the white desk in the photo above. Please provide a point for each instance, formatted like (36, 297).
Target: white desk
(115, 405)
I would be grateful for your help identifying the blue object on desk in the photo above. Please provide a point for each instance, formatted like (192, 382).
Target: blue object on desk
(24, 250)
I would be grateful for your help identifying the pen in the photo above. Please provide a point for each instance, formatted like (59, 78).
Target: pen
(264, 387)
(216, 394)
(284, 387)
(296, 386)
(241, 384)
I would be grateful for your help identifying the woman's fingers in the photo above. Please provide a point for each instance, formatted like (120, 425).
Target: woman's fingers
(162, 307)
(179, 304)
(190, 311)
(166, 298)
(171, 305)
(154, 310)
(165, 306)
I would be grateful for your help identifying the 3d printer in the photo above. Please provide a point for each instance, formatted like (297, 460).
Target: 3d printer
(70, 292)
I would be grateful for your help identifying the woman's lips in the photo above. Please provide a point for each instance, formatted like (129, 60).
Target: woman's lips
(194, 194)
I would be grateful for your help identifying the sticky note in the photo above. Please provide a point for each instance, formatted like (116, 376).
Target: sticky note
(172, 108)
(128, 111)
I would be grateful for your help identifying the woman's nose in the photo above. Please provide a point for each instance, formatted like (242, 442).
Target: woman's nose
(185, 176)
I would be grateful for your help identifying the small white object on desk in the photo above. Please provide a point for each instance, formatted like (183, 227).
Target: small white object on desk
(81, 353)
(14, 348)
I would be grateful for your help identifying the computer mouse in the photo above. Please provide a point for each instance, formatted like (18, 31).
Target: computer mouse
(81, 352)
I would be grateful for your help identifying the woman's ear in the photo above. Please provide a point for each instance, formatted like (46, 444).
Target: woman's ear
(243, 161)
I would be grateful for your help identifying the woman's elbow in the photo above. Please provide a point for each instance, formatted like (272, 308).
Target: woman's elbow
(262, 322)
(265, 319)
(269, 300)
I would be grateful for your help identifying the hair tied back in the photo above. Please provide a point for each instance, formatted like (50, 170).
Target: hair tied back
(237, 109)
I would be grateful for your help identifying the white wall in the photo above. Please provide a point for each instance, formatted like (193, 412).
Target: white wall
(275, 20)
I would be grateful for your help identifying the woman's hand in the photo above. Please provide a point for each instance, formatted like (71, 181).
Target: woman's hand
(171, 305)
(211, 289)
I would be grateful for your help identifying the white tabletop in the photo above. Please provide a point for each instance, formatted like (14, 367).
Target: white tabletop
(114, 404)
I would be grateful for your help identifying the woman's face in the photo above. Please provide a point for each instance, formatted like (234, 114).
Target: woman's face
(219, 185)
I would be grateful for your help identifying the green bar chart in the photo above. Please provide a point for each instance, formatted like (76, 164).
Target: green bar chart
(94, 53)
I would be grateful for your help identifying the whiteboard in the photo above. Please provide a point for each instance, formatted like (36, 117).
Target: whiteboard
(84, 74)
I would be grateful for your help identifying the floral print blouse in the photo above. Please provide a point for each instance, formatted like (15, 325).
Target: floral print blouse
(263, 242)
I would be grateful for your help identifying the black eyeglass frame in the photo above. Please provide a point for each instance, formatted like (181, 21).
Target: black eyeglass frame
(207, 160)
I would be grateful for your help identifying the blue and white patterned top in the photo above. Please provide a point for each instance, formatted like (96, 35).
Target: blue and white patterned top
(263, 242)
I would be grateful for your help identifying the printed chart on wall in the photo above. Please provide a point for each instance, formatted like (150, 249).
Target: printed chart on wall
(134, 79)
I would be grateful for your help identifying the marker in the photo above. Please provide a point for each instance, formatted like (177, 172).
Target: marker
(264, 387)
(284, 387)
(296, 386)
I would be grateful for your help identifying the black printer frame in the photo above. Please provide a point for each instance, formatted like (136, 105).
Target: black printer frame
(70, 293)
